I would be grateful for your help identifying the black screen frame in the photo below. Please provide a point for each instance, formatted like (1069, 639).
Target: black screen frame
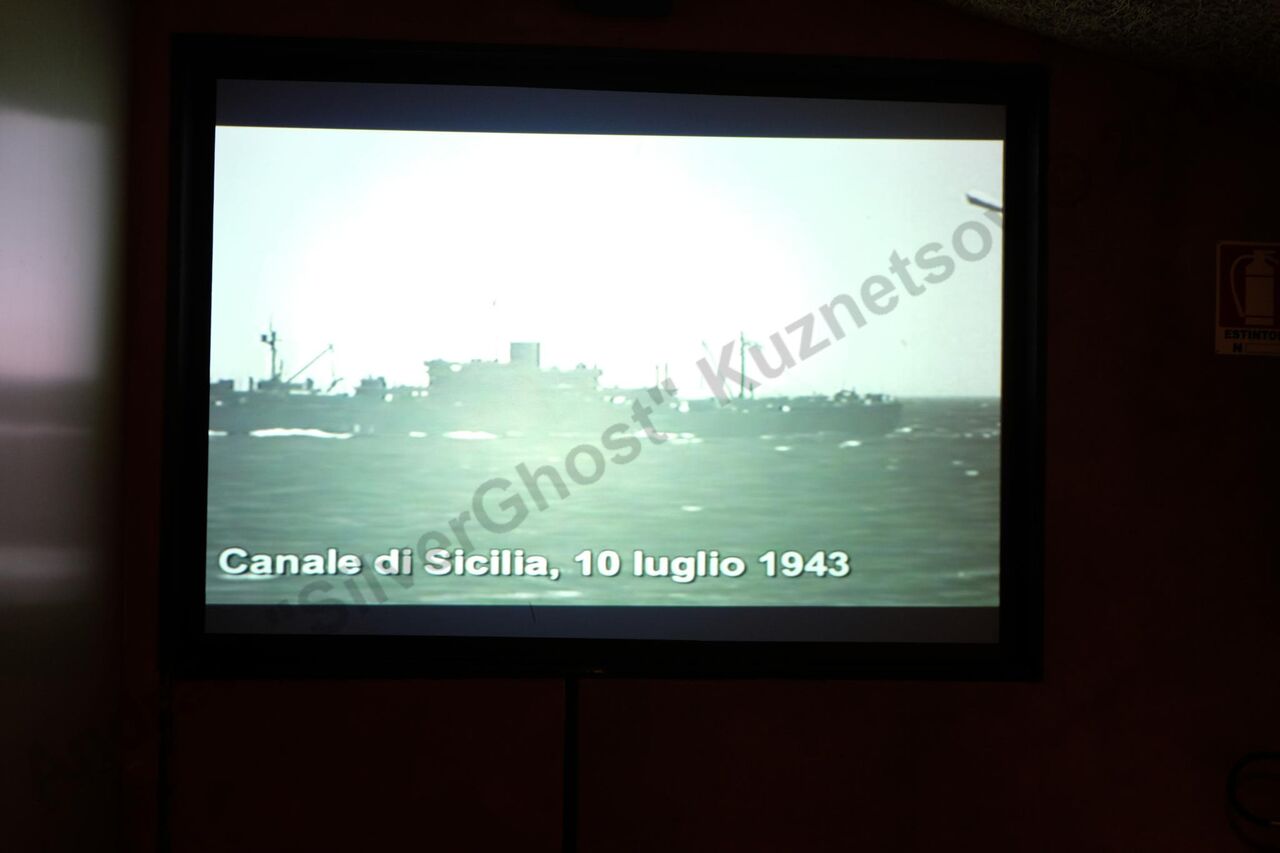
(198, 61)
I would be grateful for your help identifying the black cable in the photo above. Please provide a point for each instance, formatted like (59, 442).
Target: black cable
(1233, 787)
(569, 794)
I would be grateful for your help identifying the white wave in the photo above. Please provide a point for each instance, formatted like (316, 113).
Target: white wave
(668, 437)
(782, 448)
(513, 596)
(470, 435)
(691, 508)
(971, 473)
(217, 433)
(416, 434)
(851, 443)
(298, 433)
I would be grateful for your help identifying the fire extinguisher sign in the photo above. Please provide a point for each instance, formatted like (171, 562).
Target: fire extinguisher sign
(1248, 278)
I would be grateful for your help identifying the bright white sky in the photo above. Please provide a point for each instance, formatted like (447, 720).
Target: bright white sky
(618, 251)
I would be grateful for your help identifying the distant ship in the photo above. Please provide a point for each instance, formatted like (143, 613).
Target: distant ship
(520, 397)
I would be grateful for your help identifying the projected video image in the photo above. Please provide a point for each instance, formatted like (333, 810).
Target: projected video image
(480, 368)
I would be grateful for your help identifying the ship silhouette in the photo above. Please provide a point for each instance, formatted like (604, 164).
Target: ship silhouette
(520, 397)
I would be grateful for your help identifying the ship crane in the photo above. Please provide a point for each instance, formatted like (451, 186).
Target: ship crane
(748, 384)
(978, 201)
(304, 367)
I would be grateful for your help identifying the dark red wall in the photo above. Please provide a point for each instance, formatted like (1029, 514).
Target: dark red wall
(1162, 583)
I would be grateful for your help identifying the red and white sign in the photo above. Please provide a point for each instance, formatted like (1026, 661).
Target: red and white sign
(1248, 281)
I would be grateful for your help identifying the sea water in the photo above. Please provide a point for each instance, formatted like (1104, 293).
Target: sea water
(914, 513)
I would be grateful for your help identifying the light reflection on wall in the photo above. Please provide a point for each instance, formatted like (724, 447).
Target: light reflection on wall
(61, 122)
(54, 278)
(52, 246)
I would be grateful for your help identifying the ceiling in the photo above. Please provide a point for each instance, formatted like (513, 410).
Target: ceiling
(1234, 38)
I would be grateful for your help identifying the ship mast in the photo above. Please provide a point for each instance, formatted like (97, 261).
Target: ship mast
(743, 343)
(270, 339)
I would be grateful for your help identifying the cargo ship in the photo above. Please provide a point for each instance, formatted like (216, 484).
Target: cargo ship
(520, 397)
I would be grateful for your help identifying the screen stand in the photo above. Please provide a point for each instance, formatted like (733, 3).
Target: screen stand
(569, 795)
